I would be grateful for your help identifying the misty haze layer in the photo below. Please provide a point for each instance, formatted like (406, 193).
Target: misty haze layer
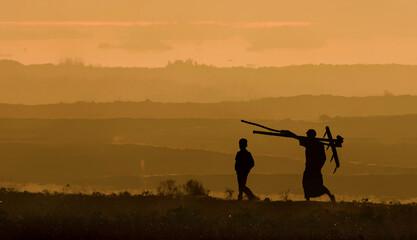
(189, 82)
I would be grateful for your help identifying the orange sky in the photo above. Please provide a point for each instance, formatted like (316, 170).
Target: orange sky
(223, 33)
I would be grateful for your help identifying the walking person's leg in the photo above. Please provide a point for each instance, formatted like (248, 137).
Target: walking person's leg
(241, 181)
(331, 196)
(246, 190)
(326, 191)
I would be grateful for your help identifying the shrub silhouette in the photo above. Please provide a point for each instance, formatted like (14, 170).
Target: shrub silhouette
(228, 193)
(285, 195)
(191, 188)
(195, 188)
(169, 188)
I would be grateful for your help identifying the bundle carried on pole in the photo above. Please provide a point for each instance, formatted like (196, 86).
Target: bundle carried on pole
(327, 139)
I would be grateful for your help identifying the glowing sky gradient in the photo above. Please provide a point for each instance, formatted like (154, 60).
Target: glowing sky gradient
(153, 23)
(215, 32)
(86, 23)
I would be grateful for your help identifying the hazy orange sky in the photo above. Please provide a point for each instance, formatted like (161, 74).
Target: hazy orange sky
(223, 33)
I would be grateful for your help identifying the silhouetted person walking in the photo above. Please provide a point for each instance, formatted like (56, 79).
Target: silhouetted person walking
(244, 163)
(315, 159)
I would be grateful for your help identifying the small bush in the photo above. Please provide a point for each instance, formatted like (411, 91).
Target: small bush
(195, 188)
(228, 193)
(146, 193)
(285, 195)
(191, 188)
(125, 194)
(169, 188)
(97, 194)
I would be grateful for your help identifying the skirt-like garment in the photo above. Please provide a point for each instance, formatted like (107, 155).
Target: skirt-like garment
(313, 184)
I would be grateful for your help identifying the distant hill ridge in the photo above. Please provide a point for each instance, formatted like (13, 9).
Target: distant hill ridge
(304, 107)
(187, 81)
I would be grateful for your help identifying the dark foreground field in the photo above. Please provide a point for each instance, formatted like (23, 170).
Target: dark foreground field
(122, 216)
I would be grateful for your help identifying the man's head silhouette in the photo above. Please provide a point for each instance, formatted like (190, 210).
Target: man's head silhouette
(243, 143)
(311, 133)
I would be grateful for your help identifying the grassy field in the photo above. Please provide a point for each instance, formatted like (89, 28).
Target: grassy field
(123, 216)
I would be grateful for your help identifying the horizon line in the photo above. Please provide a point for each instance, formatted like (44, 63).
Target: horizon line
(80, 63)
(214, 102)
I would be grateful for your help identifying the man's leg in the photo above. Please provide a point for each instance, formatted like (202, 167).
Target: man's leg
(306, 187)
(331, 196)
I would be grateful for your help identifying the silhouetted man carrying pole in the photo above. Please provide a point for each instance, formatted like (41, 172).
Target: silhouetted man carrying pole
(315, 159)
(244, 163)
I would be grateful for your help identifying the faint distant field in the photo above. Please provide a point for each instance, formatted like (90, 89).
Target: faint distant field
(123, 216)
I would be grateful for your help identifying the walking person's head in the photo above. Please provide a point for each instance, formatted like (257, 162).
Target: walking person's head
(311, 133)
(243, 143)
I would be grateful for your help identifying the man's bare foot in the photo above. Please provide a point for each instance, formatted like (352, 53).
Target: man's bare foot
(332, 198)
